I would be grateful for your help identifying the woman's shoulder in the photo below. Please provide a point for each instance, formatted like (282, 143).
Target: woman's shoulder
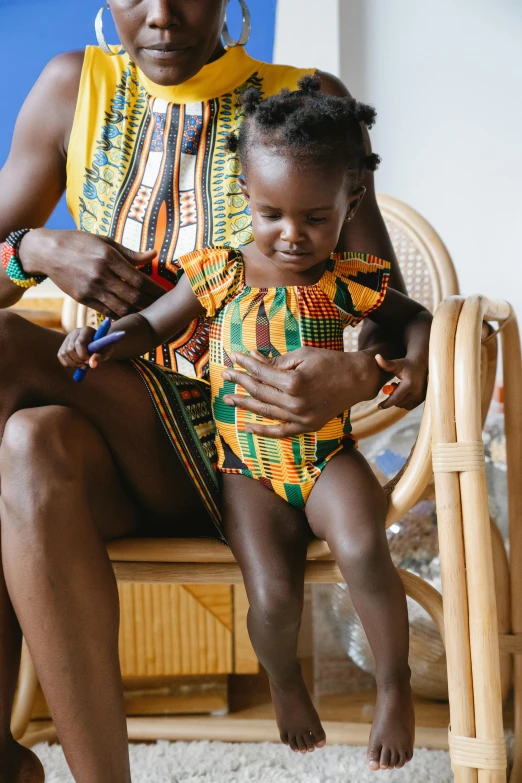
(50, 106)
(279, 76)
(61, 77)
(276, 77)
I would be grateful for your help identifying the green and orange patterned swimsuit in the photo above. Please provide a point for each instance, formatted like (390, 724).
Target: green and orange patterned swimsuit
(276, 321)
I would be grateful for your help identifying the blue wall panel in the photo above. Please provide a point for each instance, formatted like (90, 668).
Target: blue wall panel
(33, 31)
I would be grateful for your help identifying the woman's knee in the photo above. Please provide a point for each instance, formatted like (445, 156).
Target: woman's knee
(40, 436)
(40, 452)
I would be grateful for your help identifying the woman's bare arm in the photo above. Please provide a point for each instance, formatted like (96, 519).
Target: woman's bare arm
(366, 233)
(32, 180)
(95, 271)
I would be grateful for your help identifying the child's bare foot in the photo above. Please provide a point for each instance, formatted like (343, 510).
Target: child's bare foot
(297, 719)
(20, 765)
(393, 730)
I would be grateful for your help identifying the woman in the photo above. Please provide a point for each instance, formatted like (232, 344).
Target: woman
(84, 463)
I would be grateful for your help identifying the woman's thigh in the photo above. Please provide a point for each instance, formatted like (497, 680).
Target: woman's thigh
(116, 402)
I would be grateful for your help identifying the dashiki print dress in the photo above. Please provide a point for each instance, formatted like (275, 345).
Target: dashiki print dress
(147, 166)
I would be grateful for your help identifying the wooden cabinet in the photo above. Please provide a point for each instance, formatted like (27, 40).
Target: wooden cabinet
(172, 630)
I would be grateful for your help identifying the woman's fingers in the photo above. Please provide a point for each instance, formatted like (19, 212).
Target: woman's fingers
(263, 392)
(266, 410)
(115, 305)
(283, 430)
(264, 371)
(136, 298)
(100, 307)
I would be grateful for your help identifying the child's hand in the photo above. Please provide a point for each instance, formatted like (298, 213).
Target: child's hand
(411, 390)
(74, 353)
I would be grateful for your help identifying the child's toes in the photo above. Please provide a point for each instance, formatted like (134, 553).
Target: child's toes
(374, 757)
(394, 759)
(320, 739)
(401, 762)
(301, 743)
(310, 742)
(385, 758)
(292, 741)
(284, 738)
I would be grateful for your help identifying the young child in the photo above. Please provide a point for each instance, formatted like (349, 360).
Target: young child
(303, 158)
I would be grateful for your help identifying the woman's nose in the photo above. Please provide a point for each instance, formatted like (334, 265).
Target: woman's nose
(163, 14)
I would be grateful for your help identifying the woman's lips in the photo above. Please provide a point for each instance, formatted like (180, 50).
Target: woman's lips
(166, 52)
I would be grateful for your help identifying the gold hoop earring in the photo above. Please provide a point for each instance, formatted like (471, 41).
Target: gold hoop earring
(245, 30)
(98, 26)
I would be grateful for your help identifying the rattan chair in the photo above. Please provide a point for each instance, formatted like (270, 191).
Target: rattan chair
(463, 355)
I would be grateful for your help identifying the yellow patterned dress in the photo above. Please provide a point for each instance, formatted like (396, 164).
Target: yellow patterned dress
(276, 321)
(147, 166)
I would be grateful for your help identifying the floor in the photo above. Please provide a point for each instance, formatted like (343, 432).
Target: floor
(250, 718)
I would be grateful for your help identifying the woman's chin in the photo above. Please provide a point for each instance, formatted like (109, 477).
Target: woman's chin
(168, 69)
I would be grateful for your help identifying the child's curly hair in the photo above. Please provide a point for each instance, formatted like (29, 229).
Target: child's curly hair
(307, 122)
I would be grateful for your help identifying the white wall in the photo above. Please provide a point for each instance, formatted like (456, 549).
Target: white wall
(446, 79)
(307, 34)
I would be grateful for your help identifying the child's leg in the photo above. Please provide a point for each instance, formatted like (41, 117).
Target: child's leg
(347, 508)
(269, 539)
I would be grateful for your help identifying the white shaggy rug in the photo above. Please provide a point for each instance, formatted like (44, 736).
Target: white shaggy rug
(220, 762)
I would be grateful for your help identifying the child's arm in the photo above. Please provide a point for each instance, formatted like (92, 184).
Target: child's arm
(143, 331)
(412, 323)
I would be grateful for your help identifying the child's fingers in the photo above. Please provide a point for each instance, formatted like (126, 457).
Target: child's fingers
(396, 398)
(385, 364)
(95, 360)
(80, 346)
(67, 355)
(394, 366)
(389, 388)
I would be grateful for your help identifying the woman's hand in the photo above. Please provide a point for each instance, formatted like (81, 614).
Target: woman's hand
(304, 389)
(95, 271)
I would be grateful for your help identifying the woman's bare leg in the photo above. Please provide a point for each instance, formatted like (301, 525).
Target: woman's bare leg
(347, 508)
(269, 538)
(64, 477)
(61, 582)
(17, 765)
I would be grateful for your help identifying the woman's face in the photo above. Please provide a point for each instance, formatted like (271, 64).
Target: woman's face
(170, 40)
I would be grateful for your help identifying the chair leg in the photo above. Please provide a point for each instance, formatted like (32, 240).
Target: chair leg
(449, 520)
(512, 368)
(483, 625)
(25, 695)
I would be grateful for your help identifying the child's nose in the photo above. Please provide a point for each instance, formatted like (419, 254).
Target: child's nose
(290, 233)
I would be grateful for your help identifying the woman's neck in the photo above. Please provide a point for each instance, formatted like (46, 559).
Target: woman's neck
(218, 52)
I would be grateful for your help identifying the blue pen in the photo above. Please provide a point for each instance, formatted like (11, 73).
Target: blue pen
(79, 375)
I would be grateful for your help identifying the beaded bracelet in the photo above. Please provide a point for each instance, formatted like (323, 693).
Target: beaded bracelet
(12, 264)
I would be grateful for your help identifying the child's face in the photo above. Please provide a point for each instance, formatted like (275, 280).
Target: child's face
(298, 211)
